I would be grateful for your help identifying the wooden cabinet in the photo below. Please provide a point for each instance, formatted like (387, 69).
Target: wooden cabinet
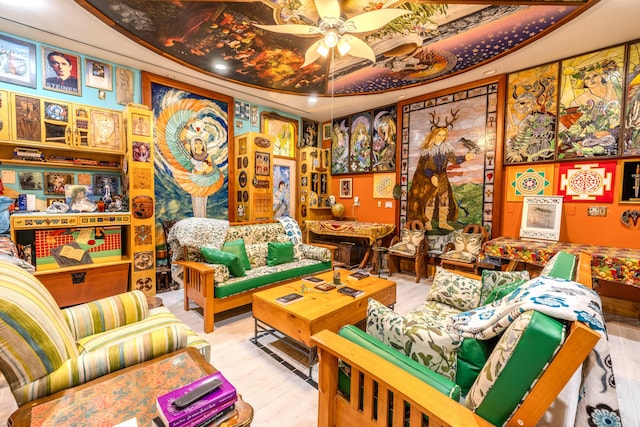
(78, 257)
(49, 123)
(315, 183)
(254, 177)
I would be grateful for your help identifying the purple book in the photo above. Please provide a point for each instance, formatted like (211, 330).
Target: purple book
(211, 404)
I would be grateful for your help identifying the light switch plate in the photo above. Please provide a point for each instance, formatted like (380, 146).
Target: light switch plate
(597, 211)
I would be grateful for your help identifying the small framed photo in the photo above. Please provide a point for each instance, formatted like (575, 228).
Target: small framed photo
(55, 182)
(61, 71)
(98, 74)
(106, 185)
(20, 67)
(30, 180)
(141, 151)
(346, 188)
(541, 217)
(141, 124)
(326, 131)
(52, 200)
(79, 198)
(630, 182)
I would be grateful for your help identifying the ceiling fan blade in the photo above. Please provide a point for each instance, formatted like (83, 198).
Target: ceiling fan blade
(361, 49)
(371, 21)
(297, 29)
(312, 54)
(328, 8)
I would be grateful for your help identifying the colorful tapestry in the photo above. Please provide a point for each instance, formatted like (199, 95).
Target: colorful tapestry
(529, 181)
(562, 299)
(587, 182)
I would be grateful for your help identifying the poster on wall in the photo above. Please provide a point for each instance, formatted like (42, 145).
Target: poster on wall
(530, 119)
(383, 153)
(444, 142)
(587, 182)
(284, 184)
(191, 149)
(591, 104)
(632, 120)
(340, 146)
(360, 143)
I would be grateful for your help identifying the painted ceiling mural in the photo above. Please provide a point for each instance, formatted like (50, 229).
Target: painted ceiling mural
(434, 41)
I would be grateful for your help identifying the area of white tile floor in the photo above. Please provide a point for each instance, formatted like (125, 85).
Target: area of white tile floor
(282, 399)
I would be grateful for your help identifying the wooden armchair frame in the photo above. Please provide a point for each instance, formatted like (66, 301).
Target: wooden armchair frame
(334, 409)
(470, 266)
(419, 259)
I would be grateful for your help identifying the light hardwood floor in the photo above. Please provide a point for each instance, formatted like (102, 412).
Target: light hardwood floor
(282, 399)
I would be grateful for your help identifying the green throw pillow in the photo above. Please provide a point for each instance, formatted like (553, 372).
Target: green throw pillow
(216, 256)
(279, 253)
(237, 248)
(502, 291)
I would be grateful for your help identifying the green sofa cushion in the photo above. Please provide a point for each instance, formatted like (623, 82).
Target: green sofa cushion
(523, 351)
(437, 381)
(492, 279)
(234, 287)
(561, 266)
(502, 291)
(279, 253)
(238, 248)
(216, 256)
(472, 356)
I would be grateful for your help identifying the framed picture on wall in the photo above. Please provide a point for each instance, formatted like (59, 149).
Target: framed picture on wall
(284, 131)
(310, 136)
(541, 217)
(630, 182)
(326, 131)
(55, 182)
(346, 188)
(61, 71)
(20, 67)
(98, 74)
(124, 85)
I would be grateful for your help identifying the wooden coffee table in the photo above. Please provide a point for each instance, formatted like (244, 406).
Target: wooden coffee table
(123, 395)
(331, 310)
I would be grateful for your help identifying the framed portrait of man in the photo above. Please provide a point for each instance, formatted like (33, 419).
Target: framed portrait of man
(61, 71)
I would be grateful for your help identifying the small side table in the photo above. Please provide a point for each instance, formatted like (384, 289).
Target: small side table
(377, 260)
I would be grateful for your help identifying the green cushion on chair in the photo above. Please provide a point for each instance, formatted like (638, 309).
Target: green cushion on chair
(279, 253)
(238, 248)
(502, 291)
(561, 266)
(216, 256)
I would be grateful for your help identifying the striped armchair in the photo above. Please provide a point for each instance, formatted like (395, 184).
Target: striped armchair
(45, 349)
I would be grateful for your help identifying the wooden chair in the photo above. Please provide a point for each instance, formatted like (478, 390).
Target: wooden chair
(398, 252)
(460, 264)
(371, 376)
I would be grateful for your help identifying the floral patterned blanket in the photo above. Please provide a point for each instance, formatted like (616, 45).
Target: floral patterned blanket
(562, 299)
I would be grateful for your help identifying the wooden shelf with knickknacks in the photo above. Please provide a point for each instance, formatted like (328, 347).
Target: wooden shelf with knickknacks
(138, 173)
(253, 177)
(314, 171)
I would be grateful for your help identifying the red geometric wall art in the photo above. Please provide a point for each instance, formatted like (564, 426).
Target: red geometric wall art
(587, 181)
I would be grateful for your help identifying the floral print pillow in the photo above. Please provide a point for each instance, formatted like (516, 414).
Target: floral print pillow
(455, 290)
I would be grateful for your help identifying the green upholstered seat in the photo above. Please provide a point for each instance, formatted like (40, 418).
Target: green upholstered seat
(44, 349)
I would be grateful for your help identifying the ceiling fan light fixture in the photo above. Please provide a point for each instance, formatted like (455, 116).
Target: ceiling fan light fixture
(331, 38)
(322, 49)
(343, 46)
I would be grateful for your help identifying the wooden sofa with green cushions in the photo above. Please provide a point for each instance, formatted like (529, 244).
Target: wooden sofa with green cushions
(363, 377)
(45, 349)
(266, 255)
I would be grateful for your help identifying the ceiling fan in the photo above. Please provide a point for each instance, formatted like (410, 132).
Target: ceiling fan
(339, 32)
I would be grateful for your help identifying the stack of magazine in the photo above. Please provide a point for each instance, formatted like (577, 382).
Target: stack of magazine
(206, 402)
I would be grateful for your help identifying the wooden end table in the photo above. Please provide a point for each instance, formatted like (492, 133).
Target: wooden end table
(318, 310)
(122, 395)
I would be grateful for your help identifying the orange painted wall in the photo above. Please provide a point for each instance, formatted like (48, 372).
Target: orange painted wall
(368, 211)
(576, 226)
